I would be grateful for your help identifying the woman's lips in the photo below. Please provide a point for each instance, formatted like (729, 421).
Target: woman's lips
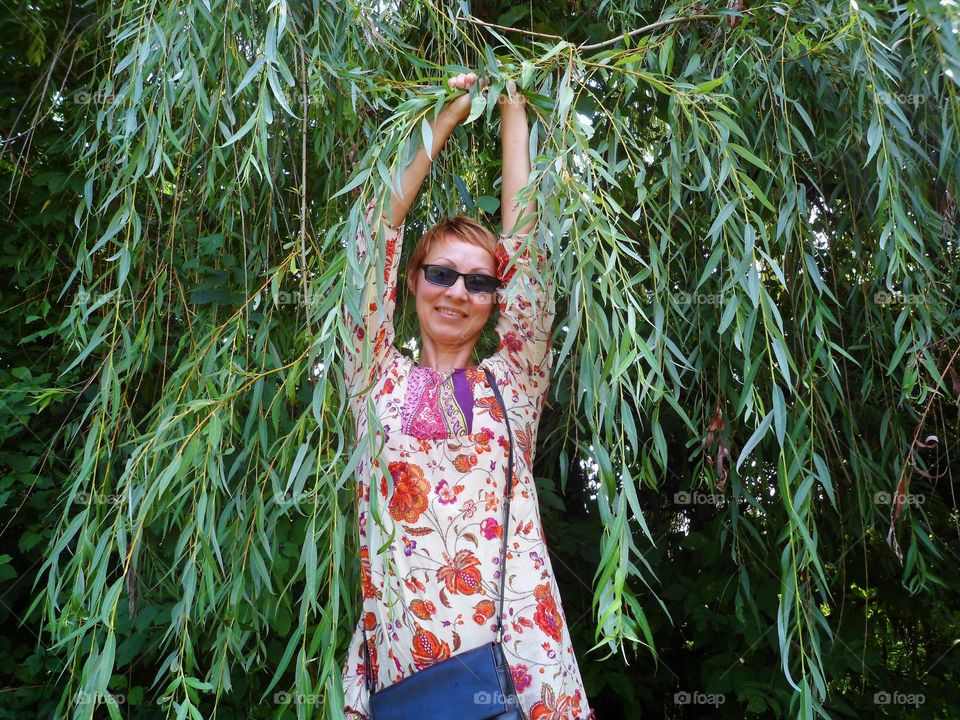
(452, 314)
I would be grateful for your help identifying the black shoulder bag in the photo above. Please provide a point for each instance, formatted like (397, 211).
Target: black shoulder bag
(472, 685)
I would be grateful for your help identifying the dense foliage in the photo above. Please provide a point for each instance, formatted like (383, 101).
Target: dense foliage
(746, 465)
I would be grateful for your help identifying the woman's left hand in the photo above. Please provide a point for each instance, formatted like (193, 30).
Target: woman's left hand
(459, 107)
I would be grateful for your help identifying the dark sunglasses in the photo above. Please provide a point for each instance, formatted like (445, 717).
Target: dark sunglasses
(446, 277)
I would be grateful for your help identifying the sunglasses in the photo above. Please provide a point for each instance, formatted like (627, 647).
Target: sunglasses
(446, 277)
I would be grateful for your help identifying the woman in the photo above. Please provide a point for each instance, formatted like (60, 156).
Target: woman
(442, 438)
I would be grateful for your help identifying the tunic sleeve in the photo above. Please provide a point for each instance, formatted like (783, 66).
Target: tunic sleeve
(370, 347)
(526, 313)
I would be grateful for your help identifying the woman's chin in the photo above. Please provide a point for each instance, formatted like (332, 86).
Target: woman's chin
(451, 336)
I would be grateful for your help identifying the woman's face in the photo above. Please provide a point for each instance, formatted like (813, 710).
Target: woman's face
(452, 316)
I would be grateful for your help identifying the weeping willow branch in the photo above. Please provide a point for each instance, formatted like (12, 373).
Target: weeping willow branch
(595, 46)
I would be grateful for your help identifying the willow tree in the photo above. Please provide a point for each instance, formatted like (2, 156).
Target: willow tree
(745, 464)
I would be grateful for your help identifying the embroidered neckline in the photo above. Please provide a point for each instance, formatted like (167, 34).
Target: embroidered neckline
(437, 405)
(445, 373)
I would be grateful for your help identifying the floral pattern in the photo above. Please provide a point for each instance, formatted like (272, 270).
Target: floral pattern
(434, 445)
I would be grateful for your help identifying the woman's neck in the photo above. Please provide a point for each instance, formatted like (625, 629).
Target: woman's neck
(444, 359)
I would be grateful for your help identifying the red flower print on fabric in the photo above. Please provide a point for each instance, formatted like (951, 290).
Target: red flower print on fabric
(427, 649)
(491, 528)
(414, 585)
(491, 406)
(511, 342)
(521, 677)
(551, 707)
(410, 488)
(391, 252)
(521, 623)
(483, 439)
(483, 611)
(547, 615)
(423, 609)
(369, 590)
(503, 258)
(462, 575)
(464, 463)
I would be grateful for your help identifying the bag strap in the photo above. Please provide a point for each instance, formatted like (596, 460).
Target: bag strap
(491, 380)
(506, 493)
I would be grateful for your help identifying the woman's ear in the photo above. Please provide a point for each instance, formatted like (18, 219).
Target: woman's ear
(411, 285)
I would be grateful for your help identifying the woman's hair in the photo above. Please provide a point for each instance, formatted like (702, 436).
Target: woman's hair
(459, 226)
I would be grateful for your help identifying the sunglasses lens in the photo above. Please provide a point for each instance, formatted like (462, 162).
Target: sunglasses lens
(439, 275)
(481, 283)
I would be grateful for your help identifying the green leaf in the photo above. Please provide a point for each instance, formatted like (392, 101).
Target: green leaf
(755, 438)
(823, 474)
(665, 57)
(426, 134)
(709, 85)
(751, 158)
(359, 179)
(779, 414)
(487, 203)
(477, 106)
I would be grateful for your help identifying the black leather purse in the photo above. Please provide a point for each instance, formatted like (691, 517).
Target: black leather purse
(472, 685)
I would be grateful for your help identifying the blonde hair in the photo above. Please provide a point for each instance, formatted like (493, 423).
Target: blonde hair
(458, 226)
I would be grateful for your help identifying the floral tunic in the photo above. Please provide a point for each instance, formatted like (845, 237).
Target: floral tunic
(434, 590)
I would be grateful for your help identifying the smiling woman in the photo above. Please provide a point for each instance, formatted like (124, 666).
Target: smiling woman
(458, 529)
(451, 315)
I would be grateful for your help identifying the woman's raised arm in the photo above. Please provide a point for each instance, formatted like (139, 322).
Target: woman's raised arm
(515, 143)
(527, 305)
(452, 114)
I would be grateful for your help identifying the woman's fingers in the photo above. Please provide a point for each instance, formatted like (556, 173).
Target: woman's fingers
(463, 81)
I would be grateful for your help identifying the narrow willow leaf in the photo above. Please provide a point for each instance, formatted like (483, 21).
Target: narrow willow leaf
(358, 180)
(749, 157)
(426, 134)
(755, 438)
(823, 474)
(477, 106)
(244, 129)
(779, 414)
